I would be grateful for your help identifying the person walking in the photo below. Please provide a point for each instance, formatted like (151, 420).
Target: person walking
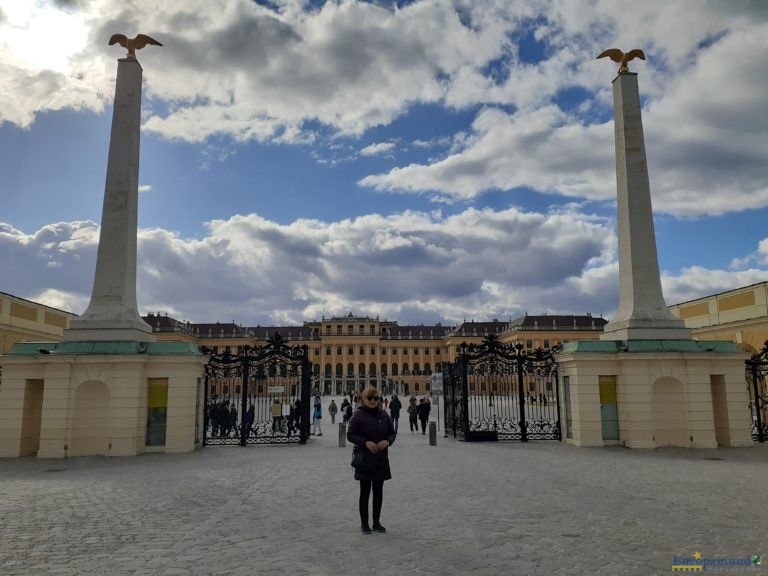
(317, 416)
(394, 410)
(343, 409)
(413, 415)
(423, 412)
(233, 421)
(332, 411)
(297, 415)
(372, 432)
(250, 417)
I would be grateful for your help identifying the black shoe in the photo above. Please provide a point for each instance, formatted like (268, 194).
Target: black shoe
(320, 434)
(379, 528)
(365, 529)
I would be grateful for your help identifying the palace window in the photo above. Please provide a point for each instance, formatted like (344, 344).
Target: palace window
(373, 350)
(361, 330)
(339, 370)
(426, 351)
(529, 343)
(394, 350)
(338, 350)
(416, 370)
(415, 350)
(372, 330)
(406, 370)
(316, 369)
(338, 330)
(328, 330)
(351, 350)
(546, 343)
(327, 350)
(384, 370)
(350, 329)
(317, 350)
(405, 350)
(362, 350)
(383, 350)
(327, 370)
(361, 370)
(350, 370)
(394, 369)
(372, 370)
(427, 369)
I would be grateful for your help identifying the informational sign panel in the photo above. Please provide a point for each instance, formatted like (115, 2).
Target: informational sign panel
(437, 382)
(276, 389)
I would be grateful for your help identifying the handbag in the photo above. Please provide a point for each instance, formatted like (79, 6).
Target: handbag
(364, 462)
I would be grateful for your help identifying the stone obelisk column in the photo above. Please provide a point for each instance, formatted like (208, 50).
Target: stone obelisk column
(642, 313)
(113, 314)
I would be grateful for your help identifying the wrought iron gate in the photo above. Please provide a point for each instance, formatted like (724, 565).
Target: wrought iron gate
(258, 396)
(496, 391)
(757, 383)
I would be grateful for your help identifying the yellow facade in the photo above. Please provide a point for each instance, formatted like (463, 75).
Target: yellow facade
(25, 321)
(740, 316)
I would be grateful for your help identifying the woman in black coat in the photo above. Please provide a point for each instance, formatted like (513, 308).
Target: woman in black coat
(371, 429)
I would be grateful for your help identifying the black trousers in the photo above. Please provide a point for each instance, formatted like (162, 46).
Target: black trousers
(378, 498)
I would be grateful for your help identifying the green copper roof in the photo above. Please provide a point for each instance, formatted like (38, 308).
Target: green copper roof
(616, 346)
(123, 348)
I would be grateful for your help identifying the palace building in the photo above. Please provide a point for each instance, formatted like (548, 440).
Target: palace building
(26, 321)
(739, 315)
(351, 352)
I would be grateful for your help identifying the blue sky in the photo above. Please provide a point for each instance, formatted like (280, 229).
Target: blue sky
(422, 161)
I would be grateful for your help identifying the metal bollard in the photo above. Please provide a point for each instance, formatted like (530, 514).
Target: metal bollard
(342, 434)
(433, 433)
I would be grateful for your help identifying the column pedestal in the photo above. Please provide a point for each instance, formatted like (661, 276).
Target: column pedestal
(685, 394)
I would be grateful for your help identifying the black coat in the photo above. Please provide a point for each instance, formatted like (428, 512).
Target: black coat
(394, 408)
(375, 426)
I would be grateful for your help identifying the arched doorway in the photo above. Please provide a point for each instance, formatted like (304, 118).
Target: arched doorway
(90, 420)
(670, 413)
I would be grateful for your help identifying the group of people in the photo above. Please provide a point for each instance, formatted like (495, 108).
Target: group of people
(222, 418)
(282, 422)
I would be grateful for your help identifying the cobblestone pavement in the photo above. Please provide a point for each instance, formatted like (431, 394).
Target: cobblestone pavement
(480, 509)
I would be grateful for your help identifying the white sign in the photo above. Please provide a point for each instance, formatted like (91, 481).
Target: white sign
(276, 389)
(437, 382)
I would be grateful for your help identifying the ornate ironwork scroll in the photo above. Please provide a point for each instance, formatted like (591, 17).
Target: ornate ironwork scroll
(259, 395)
(757, 383)
(497, 391)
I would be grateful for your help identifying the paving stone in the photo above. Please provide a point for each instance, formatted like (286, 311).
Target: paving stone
(455, 508)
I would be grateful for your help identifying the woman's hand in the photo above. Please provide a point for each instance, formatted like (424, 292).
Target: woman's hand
(383, 445)
(372, 446)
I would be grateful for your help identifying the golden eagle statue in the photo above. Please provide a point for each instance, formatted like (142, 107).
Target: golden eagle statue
(133, 44)
(623, 59)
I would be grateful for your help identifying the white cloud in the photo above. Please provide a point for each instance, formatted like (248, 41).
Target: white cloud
(379, 149)
(144, 188)
(537, 149)
(409, 266)
(247, 72)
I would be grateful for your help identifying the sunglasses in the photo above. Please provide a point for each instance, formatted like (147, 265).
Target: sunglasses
(376, 398)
